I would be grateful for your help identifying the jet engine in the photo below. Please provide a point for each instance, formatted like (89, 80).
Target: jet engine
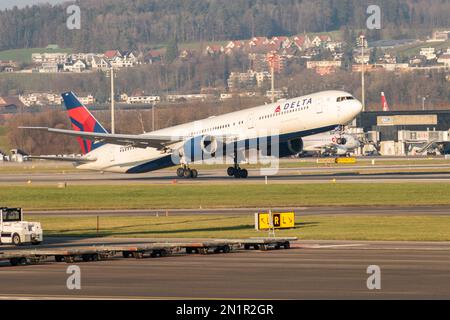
(291, 147)
(200, 148)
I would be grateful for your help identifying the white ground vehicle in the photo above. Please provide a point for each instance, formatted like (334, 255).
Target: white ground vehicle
(14, 230)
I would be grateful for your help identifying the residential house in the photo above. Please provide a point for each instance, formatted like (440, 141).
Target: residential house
(428, 53)
(324, 67)
(189, 97)
(441, 36)
(258, 41)
(77, 66)
(49, 67)
(89, 99)
(111, 54)
(58, 58)
(233, 46)
(155, 55)
(237, 80)
(280, 42)
(302, 42)
(214, 49)
(141, 99)
(445, 59)
(100, 63)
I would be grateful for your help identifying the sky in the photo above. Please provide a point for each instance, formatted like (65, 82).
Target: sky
(8, 4)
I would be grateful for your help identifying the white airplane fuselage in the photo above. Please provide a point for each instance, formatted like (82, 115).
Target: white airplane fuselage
(331, 142)
(289, 119)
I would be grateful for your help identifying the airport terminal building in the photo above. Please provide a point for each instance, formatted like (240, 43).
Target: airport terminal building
(397, 132)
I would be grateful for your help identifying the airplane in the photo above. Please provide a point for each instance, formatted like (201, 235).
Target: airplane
(332, 143)
(286, 122)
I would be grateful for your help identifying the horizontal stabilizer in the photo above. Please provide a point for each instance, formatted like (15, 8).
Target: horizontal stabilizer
(59, 158)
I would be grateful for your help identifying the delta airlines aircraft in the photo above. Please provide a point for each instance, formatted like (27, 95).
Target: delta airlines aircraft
(285, 122)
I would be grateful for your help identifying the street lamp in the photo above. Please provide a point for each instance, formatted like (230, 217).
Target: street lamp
(362, 43)
(111, 75)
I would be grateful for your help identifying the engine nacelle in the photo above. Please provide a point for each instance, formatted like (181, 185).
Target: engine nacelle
(287, 148)
(291, 147)
(200, 148)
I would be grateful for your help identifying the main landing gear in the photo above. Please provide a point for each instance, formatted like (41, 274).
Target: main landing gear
(186, 172)
(237, 172)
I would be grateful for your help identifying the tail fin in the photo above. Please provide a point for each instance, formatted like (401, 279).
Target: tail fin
(384, 103)
(82, 120)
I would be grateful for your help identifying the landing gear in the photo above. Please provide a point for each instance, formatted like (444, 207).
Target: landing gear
(237, 172)
(187, 173)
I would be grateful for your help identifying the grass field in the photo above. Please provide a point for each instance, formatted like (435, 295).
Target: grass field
(24, 55)
(414, 49)
(220, 196)
(398, 228)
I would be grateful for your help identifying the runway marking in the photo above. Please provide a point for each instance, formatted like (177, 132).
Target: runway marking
(83, 297)
(320, 246)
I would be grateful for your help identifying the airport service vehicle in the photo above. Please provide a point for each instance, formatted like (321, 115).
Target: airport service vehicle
(275, 130)
(331, 143)
(14, 230)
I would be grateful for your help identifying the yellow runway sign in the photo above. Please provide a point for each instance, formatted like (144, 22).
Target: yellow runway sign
(280, 220)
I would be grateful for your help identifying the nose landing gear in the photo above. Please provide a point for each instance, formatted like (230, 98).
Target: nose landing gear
(186, 172)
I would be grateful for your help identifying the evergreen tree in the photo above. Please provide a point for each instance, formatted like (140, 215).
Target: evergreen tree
(172, 51)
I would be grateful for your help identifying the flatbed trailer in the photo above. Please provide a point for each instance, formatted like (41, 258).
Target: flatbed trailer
(139, 251)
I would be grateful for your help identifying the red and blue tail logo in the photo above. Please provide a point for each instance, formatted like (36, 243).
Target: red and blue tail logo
(82, 120)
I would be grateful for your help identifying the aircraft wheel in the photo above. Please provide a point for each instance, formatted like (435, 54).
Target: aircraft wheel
(187, 173)
(180, 172)
(243, 173)
(194, 173)
(230, 171)
(237, 173)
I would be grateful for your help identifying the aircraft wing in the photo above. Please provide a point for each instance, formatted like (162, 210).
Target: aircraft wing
(58, 158)
(138, 141)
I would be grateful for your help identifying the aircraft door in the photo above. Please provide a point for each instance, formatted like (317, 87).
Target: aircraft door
(319, 107)
(251, 121)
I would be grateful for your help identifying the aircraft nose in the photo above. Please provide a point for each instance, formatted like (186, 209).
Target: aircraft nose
(357, 107)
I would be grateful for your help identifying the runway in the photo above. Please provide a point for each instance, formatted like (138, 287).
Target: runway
(311, 270)
(364, 174)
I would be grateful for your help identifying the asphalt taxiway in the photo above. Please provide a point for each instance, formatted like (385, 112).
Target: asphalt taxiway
(429, 173)
(310, 270)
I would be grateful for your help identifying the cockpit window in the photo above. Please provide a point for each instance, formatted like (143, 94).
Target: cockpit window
(340, 99)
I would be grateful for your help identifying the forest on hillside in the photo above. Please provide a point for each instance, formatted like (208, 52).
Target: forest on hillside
(137, 24)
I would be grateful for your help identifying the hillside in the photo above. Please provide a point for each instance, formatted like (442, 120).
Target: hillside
(24, 55)
(133, 24)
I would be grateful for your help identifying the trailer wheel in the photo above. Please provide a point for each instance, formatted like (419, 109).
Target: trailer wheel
(22, 261)
(287, 245)
(16, 239)
(126, 254)
(189, 250)
(69, 259)
(59, 258)
(246, 246)
(226, 249)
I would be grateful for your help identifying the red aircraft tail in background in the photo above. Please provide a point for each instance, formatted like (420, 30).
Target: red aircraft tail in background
(384, 103)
